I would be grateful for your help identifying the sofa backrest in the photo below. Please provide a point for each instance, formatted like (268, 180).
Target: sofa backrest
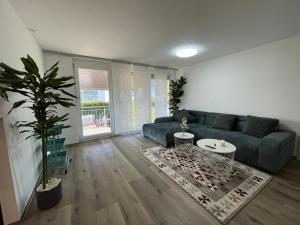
(208, 118)
(199, 115)
(240, 123)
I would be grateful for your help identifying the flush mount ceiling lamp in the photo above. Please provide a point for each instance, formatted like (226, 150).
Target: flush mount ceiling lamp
(186, 52)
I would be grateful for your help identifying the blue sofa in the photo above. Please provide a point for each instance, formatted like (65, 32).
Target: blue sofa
(269, 153)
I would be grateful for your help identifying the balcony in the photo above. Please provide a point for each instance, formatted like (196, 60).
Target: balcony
(95, 120)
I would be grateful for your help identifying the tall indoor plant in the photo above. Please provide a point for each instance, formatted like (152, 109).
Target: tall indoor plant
(176, 93)
(41, 94)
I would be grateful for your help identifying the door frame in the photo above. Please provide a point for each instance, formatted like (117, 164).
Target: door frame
(95, 65)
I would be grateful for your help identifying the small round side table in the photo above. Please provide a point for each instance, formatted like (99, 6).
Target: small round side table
(220, 157)
(183, 141)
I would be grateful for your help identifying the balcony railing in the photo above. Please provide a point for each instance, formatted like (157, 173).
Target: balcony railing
(95, 115)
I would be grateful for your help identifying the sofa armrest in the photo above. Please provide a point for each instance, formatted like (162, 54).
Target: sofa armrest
(275, 150)
(164, 119)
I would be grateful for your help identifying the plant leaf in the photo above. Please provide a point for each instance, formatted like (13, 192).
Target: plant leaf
(67, 93)
(51, 68)
(11, 70)
(16, 105)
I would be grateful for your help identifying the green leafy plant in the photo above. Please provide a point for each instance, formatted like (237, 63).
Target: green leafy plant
(42, 94)
(176, 93)
(90, 103)
(184, 124)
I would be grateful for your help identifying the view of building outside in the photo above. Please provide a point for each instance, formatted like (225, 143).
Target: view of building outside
(94, 97)
(90, 95)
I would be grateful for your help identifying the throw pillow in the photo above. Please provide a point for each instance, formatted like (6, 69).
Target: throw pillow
(224, 122)
(260, 127)
(179, 114)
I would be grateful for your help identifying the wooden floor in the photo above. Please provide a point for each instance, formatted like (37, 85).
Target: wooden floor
(111, 183)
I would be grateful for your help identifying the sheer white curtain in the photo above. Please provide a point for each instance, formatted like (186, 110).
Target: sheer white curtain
(141, 90)
(122, 87)
(161, 79)
(132, 90)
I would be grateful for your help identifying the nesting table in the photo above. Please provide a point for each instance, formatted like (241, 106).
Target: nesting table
(183, 141)
(211, 153)
(220, 157)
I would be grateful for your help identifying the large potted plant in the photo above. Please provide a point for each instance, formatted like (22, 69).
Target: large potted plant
(41, 94)
(176, 93)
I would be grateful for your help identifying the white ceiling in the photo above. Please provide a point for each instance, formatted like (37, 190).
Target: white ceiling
(147, 31)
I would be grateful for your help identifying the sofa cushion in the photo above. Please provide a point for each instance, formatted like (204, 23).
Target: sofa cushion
(164, 119)
(246, 146)
(198, 130)
(225, 122)
(240, 123)
(199, 116)
(260, 127)
(209, 118)
(178, 115)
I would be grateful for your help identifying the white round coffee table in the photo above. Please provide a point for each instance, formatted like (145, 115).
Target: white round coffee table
(183, 141)
(221, 157)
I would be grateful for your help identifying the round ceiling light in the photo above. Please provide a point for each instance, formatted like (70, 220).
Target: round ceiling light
(186, 52)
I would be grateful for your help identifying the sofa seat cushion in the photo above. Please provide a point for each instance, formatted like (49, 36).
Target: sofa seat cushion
(162, 132)
(198, 130)
(247, 146)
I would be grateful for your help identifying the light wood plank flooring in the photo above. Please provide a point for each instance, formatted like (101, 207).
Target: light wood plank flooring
(111, 183)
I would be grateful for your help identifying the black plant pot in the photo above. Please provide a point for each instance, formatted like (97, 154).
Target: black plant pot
(48, 199)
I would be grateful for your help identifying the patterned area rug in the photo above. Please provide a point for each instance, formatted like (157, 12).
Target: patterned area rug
(223, 196)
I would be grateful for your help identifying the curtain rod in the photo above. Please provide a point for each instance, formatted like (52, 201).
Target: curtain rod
(108, 60)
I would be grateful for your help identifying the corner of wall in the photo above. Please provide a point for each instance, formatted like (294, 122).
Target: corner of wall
(23, 161)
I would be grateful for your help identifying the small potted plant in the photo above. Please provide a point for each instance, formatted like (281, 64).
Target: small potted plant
(41, 94)
(184, 126)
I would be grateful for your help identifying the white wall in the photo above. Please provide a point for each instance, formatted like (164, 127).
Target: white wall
(15, 42)
(263, 81)
(65, 69)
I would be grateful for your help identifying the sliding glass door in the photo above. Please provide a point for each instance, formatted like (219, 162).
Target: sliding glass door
(95, 91)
